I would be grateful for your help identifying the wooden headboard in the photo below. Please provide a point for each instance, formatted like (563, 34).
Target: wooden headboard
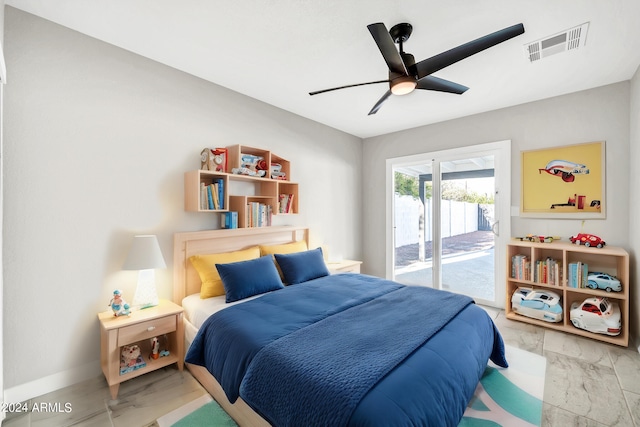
(185, 278)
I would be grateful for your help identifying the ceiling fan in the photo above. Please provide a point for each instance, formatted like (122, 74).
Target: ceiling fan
(405, 74)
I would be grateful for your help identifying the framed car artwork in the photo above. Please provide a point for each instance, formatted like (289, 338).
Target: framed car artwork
(564, 182)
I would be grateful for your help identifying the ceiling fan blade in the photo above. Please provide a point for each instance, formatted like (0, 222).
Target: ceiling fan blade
(379, 103)
(387, 48)
(344, 87)
(444, 59)
(440, 85)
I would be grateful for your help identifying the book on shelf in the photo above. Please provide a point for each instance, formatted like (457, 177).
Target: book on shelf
(520, 267)
(548, 271)
(229, 220)
(204, 198)
(258, 215)
(578, 273)
(212, 195)
(285, 202)
(127, 366)
(212, 191)
(219, 183)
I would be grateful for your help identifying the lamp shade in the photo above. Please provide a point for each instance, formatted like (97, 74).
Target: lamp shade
(144, 254)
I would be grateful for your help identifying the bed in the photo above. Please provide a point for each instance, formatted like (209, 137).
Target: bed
(289, 367)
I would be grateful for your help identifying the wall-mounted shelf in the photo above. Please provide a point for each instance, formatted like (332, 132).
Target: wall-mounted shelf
(275, 194)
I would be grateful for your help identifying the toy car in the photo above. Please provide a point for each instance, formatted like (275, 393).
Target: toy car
(537, 304)
(596, 315)
(564, 169)
(535, 238)
(603, 281)
(587, 240)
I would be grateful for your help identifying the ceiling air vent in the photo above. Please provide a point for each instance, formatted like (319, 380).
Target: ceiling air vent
(570, 39)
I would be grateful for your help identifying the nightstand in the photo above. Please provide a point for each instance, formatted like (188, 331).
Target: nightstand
(344, 266)
(162, 321)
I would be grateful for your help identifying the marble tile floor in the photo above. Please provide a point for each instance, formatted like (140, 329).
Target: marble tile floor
(588, 384)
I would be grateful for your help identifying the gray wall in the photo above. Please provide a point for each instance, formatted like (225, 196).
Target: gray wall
(593, 115)
(1, 216)
(96, 142)
(634, 204)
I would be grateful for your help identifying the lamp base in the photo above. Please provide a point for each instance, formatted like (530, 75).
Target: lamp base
(146, 295)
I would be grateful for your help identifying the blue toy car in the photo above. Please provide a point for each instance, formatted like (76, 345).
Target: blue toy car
(604, 281)
(537, 304)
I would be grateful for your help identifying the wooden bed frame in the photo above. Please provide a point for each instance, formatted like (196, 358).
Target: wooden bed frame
(186, 282)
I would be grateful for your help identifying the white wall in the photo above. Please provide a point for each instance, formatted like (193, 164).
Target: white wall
(96, 143)
(634, 204)
(593, 115)
(2, 414)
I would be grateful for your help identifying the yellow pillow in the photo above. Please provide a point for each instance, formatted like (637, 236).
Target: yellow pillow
(205, 265)
(287, 248)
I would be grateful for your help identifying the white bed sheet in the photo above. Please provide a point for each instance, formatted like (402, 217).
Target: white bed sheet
(197, 310)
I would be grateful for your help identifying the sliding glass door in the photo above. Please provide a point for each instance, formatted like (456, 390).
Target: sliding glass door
(446, 216)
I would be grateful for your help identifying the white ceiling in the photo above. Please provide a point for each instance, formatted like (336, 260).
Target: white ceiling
(278, 51)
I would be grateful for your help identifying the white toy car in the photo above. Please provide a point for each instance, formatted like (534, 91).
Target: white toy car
(537, 304)
(597, 315)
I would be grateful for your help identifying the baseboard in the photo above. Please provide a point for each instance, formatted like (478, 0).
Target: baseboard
(26, 391)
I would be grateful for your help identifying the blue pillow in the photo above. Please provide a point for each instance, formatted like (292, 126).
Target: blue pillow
(299, 267)
(244, 279)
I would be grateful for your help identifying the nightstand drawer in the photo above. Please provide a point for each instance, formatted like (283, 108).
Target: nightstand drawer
(350, 269)
(344, 266)
(145, 330)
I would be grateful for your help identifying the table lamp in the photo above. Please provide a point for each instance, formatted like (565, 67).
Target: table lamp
(145, 256)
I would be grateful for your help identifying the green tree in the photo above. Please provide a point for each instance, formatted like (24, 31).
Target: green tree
(406, 185)
(452, 190)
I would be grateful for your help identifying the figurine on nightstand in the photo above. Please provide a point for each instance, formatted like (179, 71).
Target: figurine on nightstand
(155, 347)
(119, 305)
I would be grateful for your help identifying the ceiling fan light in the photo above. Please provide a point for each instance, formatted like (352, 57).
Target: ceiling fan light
(403, 86)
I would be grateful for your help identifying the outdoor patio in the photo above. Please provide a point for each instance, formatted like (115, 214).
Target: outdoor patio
(464, 256)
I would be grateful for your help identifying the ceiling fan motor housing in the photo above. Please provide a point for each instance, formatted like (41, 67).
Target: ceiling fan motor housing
(403, 84)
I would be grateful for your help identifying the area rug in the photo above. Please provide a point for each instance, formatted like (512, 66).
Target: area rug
(509, 397)
(203, 411)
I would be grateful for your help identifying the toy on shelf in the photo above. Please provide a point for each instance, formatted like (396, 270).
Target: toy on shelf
(536, 238)
(251, 165)
(156, 351)
(155, 347)
(587, 240)
(537, 304)
(597, 315)
(214, 159)
(276, 172)
(119, 305)
(131, 359)
(604, 281)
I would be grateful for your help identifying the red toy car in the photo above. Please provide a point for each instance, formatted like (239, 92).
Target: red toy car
(587, 240)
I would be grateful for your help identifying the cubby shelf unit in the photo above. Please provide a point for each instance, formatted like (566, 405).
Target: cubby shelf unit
(611, 260)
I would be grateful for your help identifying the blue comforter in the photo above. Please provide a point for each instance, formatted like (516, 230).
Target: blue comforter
(350, 350)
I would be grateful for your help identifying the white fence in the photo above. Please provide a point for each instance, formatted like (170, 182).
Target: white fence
(457, 218)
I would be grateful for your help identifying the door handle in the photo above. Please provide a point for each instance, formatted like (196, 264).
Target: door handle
(493, 228)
